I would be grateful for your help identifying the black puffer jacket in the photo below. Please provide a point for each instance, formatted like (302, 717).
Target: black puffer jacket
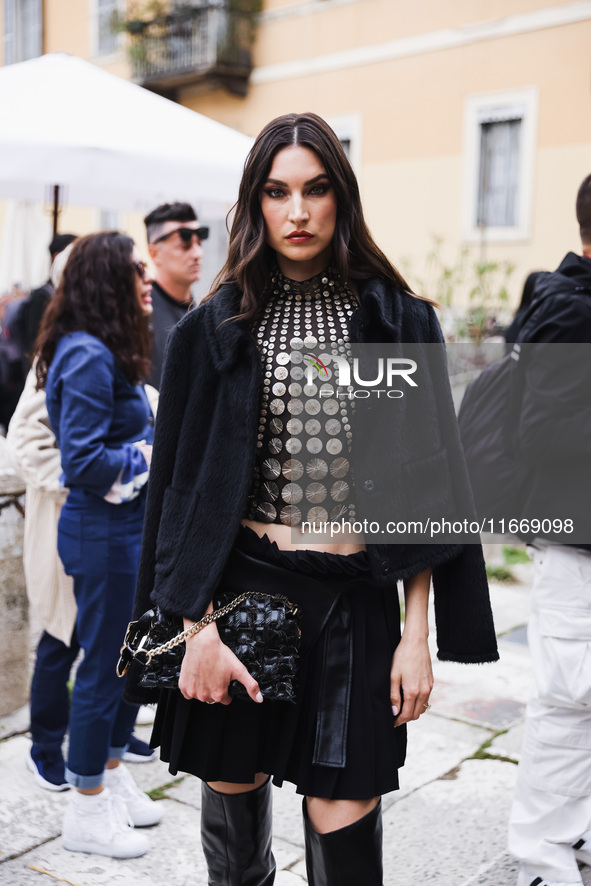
(555, 424)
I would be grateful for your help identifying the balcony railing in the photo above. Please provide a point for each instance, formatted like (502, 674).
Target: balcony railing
(192, 45)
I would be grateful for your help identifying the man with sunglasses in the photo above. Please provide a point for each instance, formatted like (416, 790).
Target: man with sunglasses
(174, 243)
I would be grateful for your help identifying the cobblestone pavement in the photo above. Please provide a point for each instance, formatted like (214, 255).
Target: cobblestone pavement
(446, 826)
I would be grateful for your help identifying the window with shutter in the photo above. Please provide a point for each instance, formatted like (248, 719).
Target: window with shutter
(108, 220)
(107, 40)
(23, 30)
(348, 129)
(498, 164)
(498, 178)
(346, 143)
(9, 32)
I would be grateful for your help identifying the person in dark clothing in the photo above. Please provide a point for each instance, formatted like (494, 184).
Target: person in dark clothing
(18, 332)
(239, 441)
(527, 297)
(174, 243)
(550, 821)
(39, 298)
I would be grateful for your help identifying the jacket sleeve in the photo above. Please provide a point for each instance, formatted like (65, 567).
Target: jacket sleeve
(448, 422)
(172, 401)
(463, 613)
(32, 443)
(555, 416)
(86, 374)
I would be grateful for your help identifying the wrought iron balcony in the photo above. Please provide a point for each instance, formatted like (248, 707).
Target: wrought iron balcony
(191, 45)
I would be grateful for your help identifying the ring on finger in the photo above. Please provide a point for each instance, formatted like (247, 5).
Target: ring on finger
(426, 706)
(210, 702)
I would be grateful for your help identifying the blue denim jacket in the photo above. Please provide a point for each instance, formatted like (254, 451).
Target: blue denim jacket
(97, 416)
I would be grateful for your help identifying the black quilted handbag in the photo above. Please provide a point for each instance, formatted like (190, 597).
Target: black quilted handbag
(263, 630)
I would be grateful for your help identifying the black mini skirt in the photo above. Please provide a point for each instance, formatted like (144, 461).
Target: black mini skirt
(338, 740)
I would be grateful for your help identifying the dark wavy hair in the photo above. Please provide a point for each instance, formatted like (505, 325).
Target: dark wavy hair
(583, 206)
(355, 255)
(97, 295)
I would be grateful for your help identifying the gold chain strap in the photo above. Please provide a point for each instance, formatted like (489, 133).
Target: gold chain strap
(199, 625)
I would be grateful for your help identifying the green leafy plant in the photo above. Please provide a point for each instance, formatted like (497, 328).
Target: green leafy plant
(512, 555)
(150, 16)
(160, 793)
(488, 297)
(139, 16)
(444, 278)
(485, 283)
(156, 28)
(501, 574)
(483, 752)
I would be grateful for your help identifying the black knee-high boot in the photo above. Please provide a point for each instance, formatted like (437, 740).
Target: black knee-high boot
(236, 837)
(347, 857)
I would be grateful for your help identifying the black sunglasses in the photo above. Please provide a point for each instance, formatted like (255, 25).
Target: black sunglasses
(141, 268)
(186, 234)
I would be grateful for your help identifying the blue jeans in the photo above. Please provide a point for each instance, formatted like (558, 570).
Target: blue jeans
(99, 544)
(50, 699)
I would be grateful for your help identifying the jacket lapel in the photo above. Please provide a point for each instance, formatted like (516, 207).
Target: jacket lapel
(227, 339)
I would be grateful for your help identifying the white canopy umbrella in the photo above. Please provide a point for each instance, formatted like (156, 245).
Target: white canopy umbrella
(24, 257)
(108, 143)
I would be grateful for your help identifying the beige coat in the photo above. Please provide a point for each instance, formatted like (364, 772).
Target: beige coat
(36, 458)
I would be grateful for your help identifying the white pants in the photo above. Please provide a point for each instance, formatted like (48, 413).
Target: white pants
(552, 802)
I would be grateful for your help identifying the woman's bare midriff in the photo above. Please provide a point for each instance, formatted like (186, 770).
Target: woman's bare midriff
(290, 538)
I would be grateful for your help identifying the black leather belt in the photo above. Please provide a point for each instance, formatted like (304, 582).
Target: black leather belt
(322, 609)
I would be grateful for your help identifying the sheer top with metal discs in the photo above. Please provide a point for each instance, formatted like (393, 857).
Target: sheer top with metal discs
(302, 469)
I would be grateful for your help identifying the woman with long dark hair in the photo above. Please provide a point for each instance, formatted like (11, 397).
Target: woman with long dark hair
(251, 444)
(93, 355)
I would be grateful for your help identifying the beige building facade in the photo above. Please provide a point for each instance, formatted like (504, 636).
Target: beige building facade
(468, 123)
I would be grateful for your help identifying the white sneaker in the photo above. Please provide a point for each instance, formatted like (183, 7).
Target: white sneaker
(527, 878)
(100, 823)
(145, 716)
(141, 809)
(583, 848)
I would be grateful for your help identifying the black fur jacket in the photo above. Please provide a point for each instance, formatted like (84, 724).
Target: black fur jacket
(204, 453)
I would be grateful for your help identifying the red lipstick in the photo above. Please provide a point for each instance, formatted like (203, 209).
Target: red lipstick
(299, 236)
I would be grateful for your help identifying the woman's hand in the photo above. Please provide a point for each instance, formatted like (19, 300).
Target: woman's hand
(209, 665)
(411, 677)
(411, 671)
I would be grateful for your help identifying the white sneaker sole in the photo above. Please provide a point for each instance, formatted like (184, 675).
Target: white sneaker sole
(128, 757)
(525, 878)
(583, 855)
(102, 849)
(42, 782)
(146, 819)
